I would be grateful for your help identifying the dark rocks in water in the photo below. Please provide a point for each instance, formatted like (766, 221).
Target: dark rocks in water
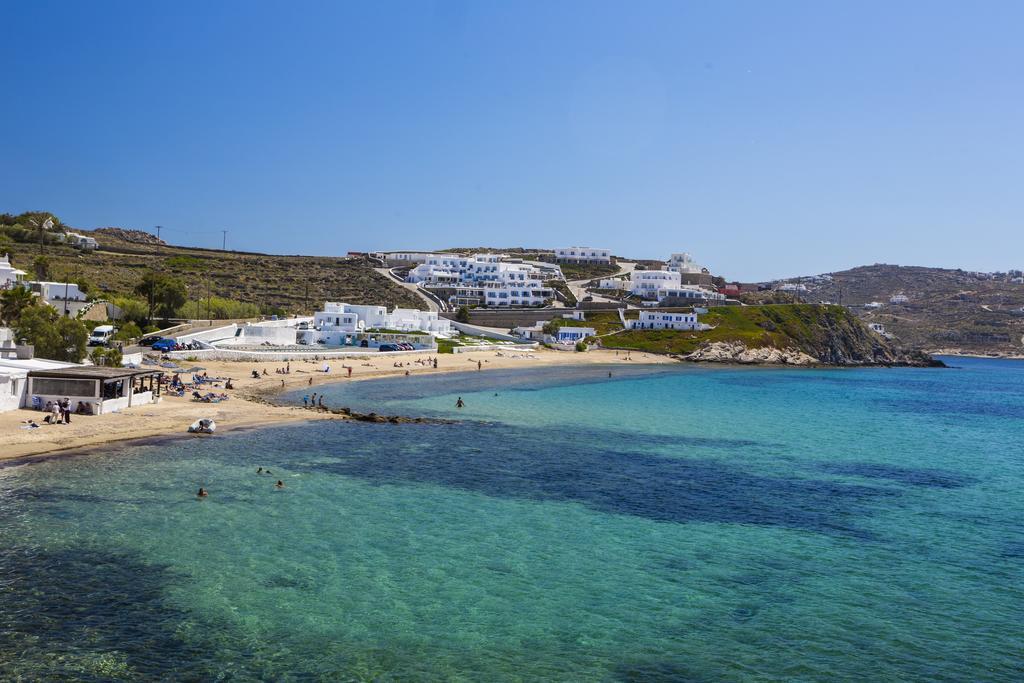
(387, 419)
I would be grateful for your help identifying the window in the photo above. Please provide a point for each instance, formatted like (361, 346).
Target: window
(55, 386)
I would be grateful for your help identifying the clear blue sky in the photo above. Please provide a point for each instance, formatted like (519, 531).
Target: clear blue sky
(767, 138)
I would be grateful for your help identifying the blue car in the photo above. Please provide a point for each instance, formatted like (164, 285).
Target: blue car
(164, 344)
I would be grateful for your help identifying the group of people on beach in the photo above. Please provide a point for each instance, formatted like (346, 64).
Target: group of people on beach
(203, 493)
(59, 412)
(313, 402)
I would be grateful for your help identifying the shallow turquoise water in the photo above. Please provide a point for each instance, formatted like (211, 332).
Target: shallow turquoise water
(683, 524)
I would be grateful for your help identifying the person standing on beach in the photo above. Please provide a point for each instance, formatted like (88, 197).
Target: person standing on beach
(312, 401)
(479, 365)
(349, 372)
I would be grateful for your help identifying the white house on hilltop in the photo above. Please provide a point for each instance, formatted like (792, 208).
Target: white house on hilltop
(683, 263)
(583, 255)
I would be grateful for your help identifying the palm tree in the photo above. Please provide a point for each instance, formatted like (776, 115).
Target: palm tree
(13, 302)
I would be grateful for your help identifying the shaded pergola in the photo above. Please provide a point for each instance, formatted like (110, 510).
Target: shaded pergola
(104, 389)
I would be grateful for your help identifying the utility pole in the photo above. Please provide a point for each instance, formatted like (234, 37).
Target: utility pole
(208, 299)
(307, 296)
(224, 241)
(159, 247)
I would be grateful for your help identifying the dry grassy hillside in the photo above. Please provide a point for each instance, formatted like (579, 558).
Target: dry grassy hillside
(292, 283)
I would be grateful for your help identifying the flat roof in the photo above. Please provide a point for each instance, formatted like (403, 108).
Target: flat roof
(93, 372)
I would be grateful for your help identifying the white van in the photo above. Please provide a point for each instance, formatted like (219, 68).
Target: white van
(101, 335)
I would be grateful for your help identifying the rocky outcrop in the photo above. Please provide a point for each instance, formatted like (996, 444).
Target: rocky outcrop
(734, 352)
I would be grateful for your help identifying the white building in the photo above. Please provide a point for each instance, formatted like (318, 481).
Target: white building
(662, 320)
(689, 292)
(613, 283)
(14, 379)
(495, 282)
(80, 241)
(792, 287)
(583, 255)
(55, 293)
(341, 324)
(405, 257)
(571, 335)
(9, 275)
(684, 263)
(646, 283)
(899, 299)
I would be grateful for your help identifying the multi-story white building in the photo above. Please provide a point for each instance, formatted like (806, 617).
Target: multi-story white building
(662, 320)
(9, 275)
(683, 263)
(492, 281)
(583, 255)
(646, 283)
(899, 299)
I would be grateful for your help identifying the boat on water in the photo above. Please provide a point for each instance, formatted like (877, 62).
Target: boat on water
(203, 426)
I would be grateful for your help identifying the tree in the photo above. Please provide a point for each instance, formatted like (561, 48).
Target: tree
(109, 357)
(54, 336)
(41, 266)
(552, 326)
(13, 302)
(171, 296)
(164, 294)
(462, 315)
(129, 330)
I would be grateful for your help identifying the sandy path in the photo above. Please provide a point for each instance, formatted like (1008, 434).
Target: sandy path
(247, 406)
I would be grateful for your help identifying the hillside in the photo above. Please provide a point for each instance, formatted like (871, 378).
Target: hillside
(290, 284)
(827, 334)
(946, 309)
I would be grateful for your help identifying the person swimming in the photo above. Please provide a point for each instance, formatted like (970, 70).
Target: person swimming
(279, 484)
(459, 403)
(259, 471)
(202, 493)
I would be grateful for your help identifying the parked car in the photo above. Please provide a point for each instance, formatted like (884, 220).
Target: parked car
(388, 347)
(148, 341)
(164, 344)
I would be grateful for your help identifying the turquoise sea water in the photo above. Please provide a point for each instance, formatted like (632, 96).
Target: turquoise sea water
(659, 525)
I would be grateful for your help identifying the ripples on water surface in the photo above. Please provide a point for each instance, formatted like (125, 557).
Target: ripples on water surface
(661, 525)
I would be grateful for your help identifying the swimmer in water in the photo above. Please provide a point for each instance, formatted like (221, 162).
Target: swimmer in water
(202, 493)
(279, 484)
(259, 471)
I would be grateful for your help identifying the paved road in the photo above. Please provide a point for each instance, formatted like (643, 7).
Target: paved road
(431, 304)
(576, 286)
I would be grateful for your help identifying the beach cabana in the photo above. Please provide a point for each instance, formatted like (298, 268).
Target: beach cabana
(101, 389)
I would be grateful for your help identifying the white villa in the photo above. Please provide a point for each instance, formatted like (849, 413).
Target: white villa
(583, 255)
(899, 298)
(662, 320)
(683, 263)
(689, 292)
(347, 319)
(646, 283)
(485, 279)
(54, 293)
(9, 275)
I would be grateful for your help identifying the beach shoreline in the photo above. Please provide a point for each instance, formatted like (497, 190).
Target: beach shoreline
(252, 403)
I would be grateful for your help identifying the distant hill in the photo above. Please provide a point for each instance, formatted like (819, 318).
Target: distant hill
(946, 310)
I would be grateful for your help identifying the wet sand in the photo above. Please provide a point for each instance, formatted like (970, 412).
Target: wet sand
(251, 402)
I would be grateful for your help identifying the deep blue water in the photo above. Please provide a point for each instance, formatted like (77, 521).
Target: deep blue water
(660, 524)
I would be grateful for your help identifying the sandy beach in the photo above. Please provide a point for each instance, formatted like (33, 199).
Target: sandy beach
(249, 405)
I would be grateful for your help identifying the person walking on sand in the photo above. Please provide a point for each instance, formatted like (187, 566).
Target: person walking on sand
(459, 403)
(310, 381)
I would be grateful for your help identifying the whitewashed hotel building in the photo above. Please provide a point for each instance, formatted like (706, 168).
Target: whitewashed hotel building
(9, 275)
(494, 282)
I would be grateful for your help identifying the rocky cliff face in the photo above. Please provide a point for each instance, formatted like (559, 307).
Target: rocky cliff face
(809, 335)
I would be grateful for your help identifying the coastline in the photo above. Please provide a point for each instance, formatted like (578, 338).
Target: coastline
(251, 404)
